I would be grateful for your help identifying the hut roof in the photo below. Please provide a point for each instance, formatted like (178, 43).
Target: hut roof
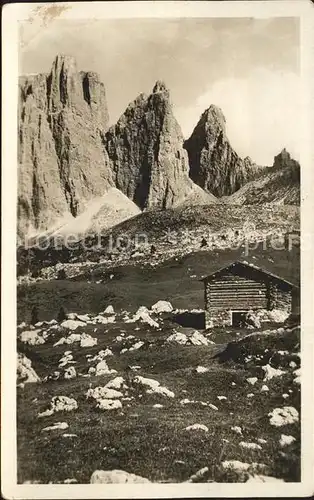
(247, 267)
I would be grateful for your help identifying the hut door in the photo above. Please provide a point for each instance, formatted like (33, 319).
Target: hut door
(238, 318)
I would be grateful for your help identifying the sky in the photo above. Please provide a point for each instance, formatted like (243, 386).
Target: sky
(248, 67)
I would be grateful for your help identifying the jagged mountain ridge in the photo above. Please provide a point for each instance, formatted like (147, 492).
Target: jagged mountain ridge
(278, 184)
(214, 165)
(146, 152)
(68, 157)
(62, 162)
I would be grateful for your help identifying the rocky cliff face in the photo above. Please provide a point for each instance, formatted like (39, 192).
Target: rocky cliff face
(62, 162)
(284, 160)
(214, 165)
(146, 153)
(279, 184)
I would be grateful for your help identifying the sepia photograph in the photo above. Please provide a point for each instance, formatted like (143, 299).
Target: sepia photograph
(158, 248)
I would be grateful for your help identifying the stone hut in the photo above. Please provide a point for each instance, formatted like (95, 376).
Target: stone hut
(237, 288)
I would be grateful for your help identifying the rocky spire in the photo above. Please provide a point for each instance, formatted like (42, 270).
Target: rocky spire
(146, 151)
(214, 165)
(62, 163)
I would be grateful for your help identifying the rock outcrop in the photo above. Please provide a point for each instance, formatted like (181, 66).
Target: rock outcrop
(146, 153)
(214, 165)
(278, 184)
(62, 162)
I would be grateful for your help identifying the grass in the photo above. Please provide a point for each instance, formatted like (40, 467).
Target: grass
(176, 280)
(148, 441)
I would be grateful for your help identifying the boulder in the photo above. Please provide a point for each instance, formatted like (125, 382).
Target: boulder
(162, 306)
(32, 337)
(25, 372)
(115, 477)
(283, 416)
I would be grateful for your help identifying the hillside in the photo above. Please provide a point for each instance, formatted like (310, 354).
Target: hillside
(173, 232)
(112, 392)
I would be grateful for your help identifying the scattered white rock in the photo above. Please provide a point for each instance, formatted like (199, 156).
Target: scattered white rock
(285, 395)
(69, 435)
(221, 398)
(271, 372)
(71, 339)
(250, 446)
(70, 373)
(87, 340)
(57, 425)
(71, 316)
(239, 466)
(213, 407)
(115, 477)
(283, 416)
(251, 395)
(117, 383)
(135, 368)
(103, 369)
(292, 364)
(297, 374)
(136, 346)
(198, 475)
(52, 322)
(157, 405)
(83, 317)
(153, 386)
(277, 315)
(177, 338)
(32, 337)
(202, 369)
(60, 403)
(70, 481)
(142, 314)
(198, 339)
(237, 429)
(103, 393)
(264, 388)
(66, 359)
(24, 371)
(109, 404)
(162, 306)
(252, 380)
(286, 440)
(109, 310)
(72, 324)
(261, 441)
(197, 427)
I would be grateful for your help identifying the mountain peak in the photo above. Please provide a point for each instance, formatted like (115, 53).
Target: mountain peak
(160, 86)
(214, 165)
(284, 159)
(64, 61)
(216, 112)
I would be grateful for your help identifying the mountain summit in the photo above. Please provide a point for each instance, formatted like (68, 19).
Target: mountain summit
(214, 165)
(146, 152)
(62, 163)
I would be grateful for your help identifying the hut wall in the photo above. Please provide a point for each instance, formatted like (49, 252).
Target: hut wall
(235, 292)
(283, 300)
(230, 292)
